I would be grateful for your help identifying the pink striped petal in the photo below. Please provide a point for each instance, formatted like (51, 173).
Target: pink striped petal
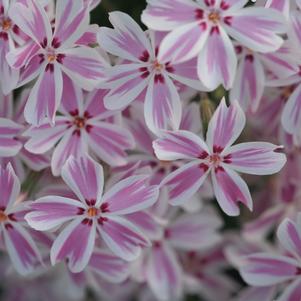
(126, 40)
(32, 19)
(282, 6)
(264, 269)
(179, 145)
(9, 187)
(289, 235)
(225, 125)
(123, 238)
(162, 107)
(21, 248)
(230, 189)
(184, 43)
(130, 195)
(217, 61)
(266, 25)
(295, 27)
(44, 137)
(232, 5)
(291, 114)
(71, 21)
(191, 119)
(194, 231)
(85, 177)
(109, 267)
(72, 144)
(185, 182)
(90, 36)
(259, 158)
(110, 142)
(168, 14)
(76, 242)
(52, 211)
(163, 273)
(72, 98)
(257, 293)
(45, 96)
(126, 83)
(84, 66)
(249, 82)
(292, 292)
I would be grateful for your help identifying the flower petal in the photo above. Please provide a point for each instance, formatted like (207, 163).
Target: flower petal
(21, 248)
(163, 273)
(131, 195)
(76, 242)
(123, 238)
(85, 177)
(264, 269)
(230, 189)
(110, 142)
(259, 158)
(126, 40)
(217, 61)
(185, 182)
(84, 66)
(266, 24)
(292, 292)
(249, 82)
(179, 145)
(45, 96)
(109, 267)
(52, 211)
(162, 107)
(225, 125)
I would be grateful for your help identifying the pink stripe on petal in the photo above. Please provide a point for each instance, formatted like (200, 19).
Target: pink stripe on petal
(264, 269)
(225, 125)
(230, 189)
(85, 177)
(292, 292)
(217, 61)
(110, 142)
(259, 158)
(185, 181)
(180, 145)
(162, 107)
(21, 248)
(123, 238)
(35, 162)
(52, 211)
(76, 242)
(130, 195)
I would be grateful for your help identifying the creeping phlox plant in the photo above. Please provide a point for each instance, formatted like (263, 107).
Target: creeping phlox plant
(158, 159)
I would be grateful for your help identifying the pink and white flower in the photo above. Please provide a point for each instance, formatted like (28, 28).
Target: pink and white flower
(203, 29)
(49, 55)
(20, 246)
(145, 72)
(218, 157)
(93, 214)
(84, 126)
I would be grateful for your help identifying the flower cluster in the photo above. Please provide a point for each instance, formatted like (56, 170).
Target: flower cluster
(150, 160)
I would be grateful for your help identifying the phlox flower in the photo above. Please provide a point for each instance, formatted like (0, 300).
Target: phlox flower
(49, 55)
(20, 246)
(143, 72)
(84, 126)
(203, 28)
(218, 157)
(265, 269)
(93, 213)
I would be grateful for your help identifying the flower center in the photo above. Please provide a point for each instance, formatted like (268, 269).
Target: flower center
(92, 211)
(215, 159)
(214, 17)
(6, 24)
(157, 66)
(79, 122)
(3, 217)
